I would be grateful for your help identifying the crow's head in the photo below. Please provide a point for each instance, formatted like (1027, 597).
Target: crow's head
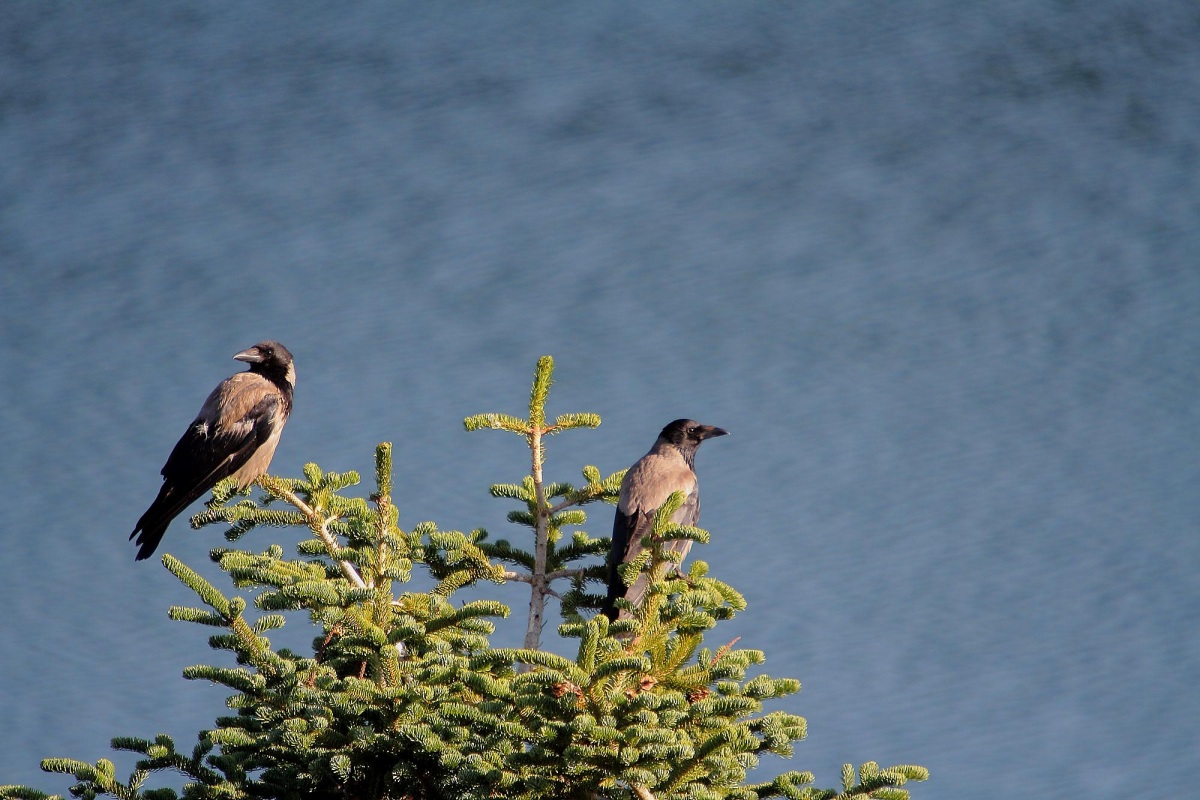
(687, 434)
(270, 359)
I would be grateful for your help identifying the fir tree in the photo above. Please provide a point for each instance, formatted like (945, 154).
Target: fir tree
(402, 694)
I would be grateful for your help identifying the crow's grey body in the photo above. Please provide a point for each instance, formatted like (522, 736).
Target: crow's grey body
(669, 467)
(234, 435)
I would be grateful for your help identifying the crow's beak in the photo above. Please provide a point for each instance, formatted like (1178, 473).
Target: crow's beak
(251, 356)
(709, 432)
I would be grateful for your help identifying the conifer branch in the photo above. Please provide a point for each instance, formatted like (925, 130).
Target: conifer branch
(537, 421)
(545, 520)
(642, 792)
(317, 523)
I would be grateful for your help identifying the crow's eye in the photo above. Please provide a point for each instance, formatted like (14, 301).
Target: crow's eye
(693, 431)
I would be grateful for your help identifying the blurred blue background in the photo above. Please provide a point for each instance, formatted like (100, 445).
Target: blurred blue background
(935, 265)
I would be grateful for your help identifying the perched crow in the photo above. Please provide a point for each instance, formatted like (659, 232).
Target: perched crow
(669, 467)
(234, 434)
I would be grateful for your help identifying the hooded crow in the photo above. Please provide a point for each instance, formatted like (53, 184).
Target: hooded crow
(669, 467)
(234, 434)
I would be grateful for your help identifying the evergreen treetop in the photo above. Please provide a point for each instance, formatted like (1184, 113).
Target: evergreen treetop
(402, 695)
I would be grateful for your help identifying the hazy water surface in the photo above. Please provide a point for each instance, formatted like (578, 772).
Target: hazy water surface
(935, 267)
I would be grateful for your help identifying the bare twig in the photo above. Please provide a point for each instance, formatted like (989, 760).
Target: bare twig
(574, 499)
(563, 573)
(554, 509)
(721, 652)
(525, 577)
(336, 630)
(641, 791)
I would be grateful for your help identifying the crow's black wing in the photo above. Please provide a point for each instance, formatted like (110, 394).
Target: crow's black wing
(627, 535)
(233, 423)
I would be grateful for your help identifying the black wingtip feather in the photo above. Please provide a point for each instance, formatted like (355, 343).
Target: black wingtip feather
(149, 539)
